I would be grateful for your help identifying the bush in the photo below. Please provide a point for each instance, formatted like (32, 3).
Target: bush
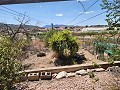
(115, 56)
(49, 34)
(64, 44)
(42, 36)
(9, 66)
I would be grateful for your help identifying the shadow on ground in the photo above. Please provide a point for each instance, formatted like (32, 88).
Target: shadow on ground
(76, 59)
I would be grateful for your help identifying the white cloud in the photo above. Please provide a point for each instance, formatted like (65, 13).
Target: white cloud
(89, 12)
(59, 15)
(40, 6)
(92, 11)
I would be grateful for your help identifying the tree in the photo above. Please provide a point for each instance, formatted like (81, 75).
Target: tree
(13, 32)
(113, 12)
(113, 19)
(113, 33)
(64, 44)
(9, 65)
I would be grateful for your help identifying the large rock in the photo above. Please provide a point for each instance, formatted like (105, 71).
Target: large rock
(62, 74)
(71, 74)
(81, 72)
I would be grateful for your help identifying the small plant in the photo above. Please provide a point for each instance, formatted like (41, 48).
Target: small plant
(95, 65)
(111, 61)
(94, 80)
(91, 74)
(74, 62)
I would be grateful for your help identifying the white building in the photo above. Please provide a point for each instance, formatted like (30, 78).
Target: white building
(94, 29)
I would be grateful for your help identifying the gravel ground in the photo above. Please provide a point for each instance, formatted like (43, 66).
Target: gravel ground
(101, 81)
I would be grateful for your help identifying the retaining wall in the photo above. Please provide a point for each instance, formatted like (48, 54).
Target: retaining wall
(71, 68)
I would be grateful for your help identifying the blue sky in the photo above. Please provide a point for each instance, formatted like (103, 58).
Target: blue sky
(55, 12)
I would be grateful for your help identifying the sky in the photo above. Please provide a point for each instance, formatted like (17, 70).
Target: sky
(54, 12)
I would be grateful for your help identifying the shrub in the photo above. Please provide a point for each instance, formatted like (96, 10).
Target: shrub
(115, 56)
(49, 34)
(64, 44)
(9, 66)
(42, 36)
(95, 65)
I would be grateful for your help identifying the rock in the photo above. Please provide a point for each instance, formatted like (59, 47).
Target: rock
(81, 72)
(41, 54)
(62, 74)
(99, 69)
(114, 70)
(91, 70)
(71, 74)
(77, 75)
(88, 70)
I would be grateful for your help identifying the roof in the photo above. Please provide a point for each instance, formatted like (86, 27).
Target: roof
(94, 29)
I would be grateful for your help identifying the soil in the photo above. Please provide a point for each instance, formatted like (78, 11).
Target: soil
(101, 81)
(34, 62)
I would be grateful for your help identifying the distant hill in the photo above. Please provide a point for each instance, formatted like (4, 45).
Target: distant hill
(13, 26)
(49, 26)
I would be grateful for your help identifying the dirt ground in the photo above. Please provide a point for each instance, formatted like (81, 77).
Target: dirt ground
(101, 81)
(34, 62)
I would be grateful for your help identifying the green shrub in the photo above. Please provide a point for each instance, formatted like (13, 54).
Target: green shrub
(49, 34)
(64, 44)
(9, 66)
(42, 36)
(95, 65)
(115, 56)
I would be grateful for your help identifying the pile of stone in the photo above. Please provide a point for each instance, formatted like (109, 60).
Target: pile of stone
(114, 70)
(82, 72)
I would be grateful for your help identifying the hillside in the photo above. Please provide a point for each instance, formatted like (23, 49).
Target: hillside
(13, 26)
